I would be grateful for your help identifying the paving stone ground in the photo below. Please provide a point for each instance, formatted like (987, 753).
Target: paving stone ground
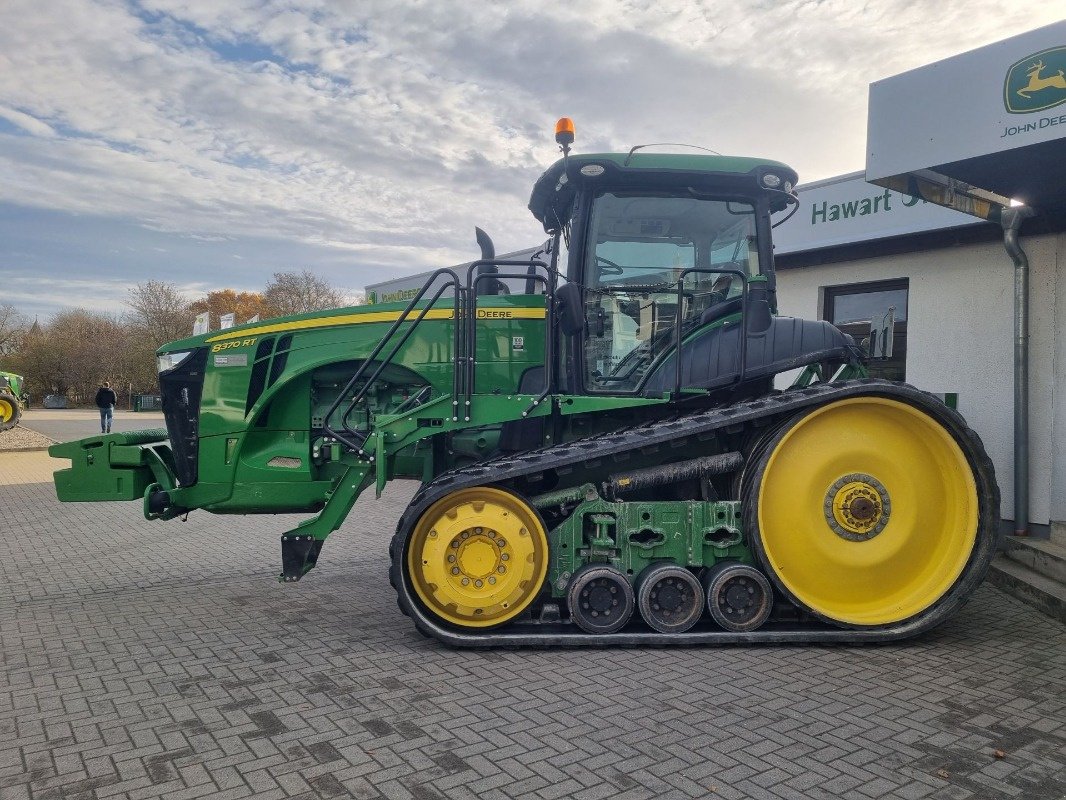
(142, 660)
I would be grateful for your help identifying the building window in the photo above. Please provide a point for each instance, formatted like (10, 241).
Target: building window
(863, 309)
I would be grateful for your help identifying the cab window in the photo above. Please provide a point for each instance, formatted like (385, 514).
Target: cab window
(639, 248)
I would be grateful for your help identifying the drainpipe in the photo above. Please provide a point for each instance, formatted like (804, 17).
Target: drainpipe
(1011, 219)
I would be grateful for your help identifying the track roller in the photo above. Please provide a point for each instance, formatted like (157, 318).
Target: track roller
(600, 598)
(739, 597)
(669, 597)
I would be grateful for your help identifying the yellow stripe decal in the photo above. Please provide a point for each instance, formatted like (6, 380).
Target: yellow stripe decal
(488, 314)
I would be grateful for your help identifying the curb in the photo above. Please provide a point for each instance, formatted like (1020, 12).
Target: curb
(27, 448)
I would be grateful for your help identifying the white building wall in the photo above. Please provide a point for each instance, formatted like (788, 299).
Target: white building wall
(960, 338)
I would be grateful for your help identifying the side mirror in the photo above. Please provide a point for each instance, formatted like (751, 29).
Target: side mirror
(569, 309)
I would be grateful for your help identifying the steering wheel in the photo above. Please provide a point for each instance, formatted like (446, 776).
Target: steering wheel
(611, 267)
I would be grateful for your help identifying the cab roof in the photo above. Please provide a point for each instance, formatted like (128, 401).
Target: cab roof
(554, 191)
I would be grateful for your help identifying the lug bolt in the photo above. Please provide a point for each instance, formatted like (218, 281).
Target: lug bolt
(466, 581)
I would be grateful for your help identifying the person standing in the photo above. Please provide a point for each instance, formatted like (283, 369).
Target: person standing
(106, 400)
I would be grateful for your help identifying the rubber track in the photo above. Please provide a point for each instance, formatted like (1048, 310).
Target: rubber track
(766, 410)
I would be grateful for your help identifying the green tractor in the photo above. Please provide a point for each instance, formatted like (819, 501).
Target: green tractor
(603, 454)
(13, 399)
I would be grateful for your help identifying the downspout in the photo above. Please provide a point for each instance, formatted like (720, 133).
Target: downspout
(1011, 219)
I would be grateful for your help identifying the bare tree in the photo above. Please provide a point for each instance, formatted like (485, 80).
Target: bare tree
(91, 347)
(12, 327)
(77, 349)
(300, 292)
(161, 311)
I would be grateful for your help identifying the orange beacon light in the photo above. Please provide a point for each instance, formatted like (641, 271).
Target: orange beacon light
(564, 132)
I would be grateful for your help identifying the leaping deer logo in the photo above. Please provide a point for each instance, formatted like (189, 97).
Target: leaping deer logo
(1036, 83)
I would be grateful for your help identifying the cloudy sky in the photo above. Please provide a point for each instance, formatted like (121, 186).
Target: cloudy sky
(213, 142)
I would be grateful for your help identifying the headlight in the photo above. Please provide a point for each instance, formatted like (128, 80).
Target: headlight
(771, 181)
(168, 361)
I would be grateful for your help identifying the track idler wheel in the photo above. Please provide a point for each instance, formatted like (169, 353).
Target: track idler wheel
(739, 597)
(477, 557)
(10, 411)
(866, 511)
(669, 597)
(600, 599)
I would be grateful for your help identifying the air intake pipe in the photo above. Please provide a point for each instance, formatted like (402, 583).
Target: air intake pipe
(490, 286)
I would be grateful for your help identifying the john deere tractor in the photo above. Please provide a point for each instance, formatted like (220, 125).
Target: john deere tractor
(603, 454)
(12, 399)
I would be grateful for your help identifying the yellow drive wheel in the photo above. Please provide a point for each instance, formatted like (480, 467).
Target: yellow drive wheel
(478, 557)
(867, 511)
(9, 411)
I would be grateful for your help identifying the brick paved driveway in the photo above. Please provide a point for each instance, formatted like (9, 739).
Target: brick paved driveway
(149, 660)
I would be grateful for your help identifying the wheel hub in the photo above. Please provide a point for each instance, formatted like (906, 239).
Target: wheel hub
(478, 556)
(739, 594)
(599, 597)
(667, 596)
(857, 507)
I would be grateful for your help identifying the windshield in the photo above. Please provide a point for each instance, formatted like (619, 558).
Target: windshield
(639, 246)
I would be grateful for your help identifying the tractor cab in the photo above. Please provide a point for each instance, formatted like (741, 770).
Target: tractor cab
(669, 248)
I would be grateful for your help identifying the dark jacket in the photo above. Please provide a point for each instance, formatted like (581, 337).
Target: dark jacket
(106, 398)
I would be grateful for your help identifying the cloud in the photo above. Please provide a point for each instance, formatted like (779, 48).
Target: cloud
(27, 123)
(384, 130)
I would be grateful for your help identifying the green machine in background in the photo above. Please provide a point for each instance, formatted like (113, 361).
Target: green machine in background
(604, 456)
(13, 399)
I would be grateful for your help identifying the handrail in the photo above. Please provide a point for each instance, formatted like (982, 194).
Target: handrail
(359, 439)
(464, 344)
(549, 349)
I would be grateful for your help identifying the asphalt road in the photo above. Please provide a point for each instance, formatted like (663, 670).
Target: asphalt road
(66, 424)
